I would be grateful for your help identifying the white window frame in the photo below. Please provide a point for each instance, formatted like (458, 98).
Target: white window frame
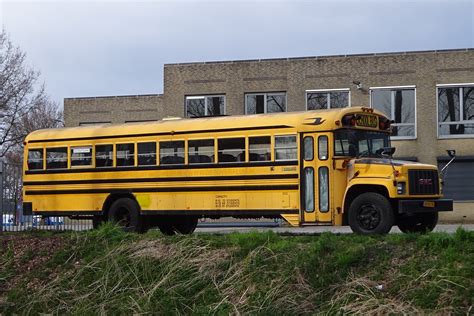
(203, 96)
(265, 94)
(392, 109)
(461, 110)
(328, 91)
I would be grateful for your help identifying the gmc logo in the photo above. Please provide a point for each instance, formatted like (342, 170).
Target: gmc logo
(425, 181)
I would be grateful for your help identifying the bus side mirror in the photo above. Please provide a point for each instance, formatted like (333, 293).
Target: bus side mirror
(452, 155)
(387, 151)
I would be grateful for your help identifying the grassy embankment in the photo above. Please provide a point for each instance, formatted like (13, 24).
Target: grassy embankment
(108, 271)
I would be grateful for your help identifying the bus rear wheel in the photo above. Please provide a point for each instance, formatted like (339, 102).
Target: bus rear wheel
(125, 213)
(371, 213)
(418, 223)
(177, 225)
(185, 224)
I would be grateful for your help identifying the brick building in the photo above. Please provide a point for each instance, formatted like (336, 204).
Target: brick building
(429, 94)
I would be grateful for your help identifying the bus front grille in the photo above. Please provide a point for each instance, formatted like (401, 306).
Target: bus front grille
(423, 182)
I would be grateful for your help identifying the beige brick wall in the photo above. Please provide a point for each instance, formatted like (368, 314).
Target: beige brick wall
(117, 109)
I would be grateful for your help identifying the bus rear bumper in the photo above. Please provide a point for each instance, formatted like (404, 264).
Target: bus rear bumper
(425, 206)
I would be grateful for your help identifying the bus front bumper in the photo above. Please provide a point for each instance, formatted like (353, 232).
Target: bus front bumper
(425, 206)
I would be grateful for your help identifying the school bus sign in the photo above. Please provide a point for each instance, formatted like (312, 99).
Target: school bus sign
(366, 120)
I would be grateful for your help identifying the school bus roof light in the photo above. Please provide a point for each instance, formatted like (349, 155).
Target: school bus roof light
(385, 124)
(349, 120)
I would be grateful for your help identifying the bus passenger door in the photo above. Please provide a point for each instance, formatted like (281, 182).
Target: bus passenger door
(315, 179)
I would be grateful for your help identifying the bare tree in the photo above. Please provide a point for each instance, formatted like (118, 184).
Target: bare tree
(19, 92)
(24, 107)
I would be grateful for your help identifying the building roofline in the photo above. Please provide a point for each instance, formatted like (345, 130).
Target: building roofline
(321, 57)
(116, 96)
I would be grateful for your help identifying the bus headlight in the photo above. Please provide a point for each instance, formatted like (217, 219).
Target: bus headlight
(401, 187)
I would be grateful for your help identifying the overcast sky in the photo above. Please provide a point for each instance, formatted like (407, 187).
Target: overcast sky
(94, 48)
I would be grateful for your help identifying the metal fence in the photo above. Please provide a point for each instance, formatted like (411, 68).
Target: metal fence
(12, 217)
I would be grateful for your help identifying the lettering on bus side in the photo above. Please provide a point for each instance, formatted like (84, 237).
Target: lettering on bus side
(222, 201)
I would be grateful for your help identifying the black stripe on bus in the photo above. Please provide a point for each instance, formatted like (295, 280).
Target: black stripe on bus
(168, 167)
(170, 179)
(167, 189)
(253, 128)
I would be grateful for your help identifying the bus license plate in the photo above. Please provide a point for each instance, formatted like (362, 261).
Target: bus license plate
(429, 204)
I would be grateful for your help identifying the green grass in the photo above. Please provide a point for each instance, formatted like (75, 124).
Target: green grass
(107, 271)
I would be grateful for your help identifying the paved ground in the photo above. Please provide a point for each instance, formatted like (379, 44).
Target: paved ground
(316, 229)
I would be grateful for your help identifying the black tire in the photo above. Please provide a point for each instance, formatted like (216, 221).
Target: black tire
(125, 212)
(185, 225)
(418, 223)
(97, 220)
(371, 213)
(177, 225)
(166, 225)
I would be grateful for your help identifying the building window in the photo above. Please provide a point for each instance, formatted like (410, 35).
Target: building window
(257, 103)
(456, 110)
(398, 104)
(327, 99)
(210, 105)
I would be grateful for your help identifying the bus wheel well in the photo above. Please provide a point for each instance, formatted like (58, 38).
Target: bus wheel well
(357, 190)
(114, 197)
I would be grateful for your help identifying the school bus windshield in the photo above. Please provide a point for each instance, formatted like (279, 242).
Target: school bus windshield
(360, 143)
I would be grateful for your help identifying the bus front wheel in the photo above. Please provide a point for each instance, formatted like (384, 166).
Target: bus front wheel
(371, 213)
(418, 223)
(125, 213)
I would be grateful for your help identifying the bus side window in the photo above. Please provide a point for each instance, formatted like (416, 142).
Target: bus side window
(308, 148)
(201, 151)
(56, 158)
(104, 156)
(81, 156)
(125, 155)
(231, 150)
(323, 147)
(259, 148)
(172, 153)
(285, 147)
(35, 159)
(146, 154)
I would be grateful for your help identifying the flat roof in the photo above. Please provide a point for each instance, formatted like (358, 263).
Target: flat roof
(116, 96)
(322, 57)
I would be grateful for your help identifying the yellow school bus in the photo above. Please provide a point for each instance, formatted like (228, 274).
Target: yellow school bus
(328, 167)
